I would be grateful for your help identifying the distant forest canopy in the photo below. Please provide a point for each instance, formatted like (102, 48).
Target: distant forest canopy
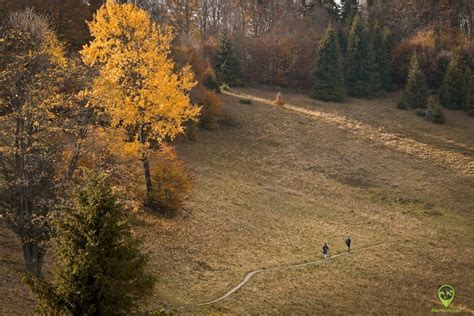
(276, 41)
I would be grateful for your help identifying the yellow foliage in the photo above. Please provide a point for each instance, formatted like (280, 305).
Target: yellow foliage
(279, 99)
(171, 183)
(211, 107)
(425, 39)
(137, 82)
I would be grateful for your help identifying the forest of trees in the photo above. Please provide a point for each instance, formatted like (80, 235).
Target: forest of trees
(88, 89)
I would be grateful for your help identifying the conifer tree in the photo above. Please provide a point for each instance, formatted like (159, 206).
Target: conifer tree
(348, 10)
(99, 268)
(359, 61)
(226, 64)
(469, 91)
(416, 93)
(381, 68)
(452, 95)
(328, 79)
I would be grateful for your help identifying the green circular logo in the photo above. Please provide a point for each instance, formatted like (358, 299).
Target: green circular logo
(446, 295)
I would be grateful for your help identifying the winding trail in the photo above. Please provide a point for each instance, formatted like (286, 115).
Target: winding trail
(251, 274)
(456, 161)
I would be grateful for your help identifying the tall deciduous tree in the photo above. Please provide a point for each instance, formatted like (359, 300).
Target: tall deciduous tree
(226, 64)
(99, 267)
(137, 82)
(359, 61)
(31, 80)
(328, 79)
(416, 93)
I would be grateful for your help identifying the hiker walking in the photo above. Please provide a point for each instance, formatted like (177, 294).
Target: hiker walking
(348, 244)
(325, 250)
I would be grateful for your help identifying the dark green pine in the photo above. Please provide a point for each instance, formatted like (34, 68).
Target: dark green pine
(99, 267)
(226, 64)
(381, 78)
(452, 92)
(469, 91)
(416, 92)
(328, 82)
(359, 62)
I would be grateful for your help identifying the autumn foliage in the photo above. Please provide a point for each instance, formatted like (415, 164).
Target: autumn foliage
(137, 83)
(32, 106)
(171, 182)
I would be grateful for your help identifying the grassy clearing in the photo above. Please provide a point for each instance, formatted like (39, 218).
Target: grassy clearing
(273, 185)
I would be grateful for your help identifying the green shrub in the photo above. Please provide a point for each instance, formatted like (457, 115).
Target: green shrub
(421, 113)
(434, 113)
(245, 101)
(211, 83)
(401, 105)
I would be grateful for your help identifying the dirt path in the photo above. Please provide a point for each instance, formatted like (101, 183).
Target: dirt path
(251, 274)
(455, 161)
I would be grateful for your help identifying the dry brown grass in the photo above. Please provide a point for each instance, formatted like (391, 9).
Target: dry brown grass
(273, 185)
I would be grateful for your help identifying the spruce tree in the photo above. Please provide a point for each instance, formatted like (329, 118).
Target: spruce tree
(381, 68)
(469, 91)
(359, 62)
(452, 95)
(99, 267)
(348, 11)
(226, 64)
(328, 82)
(416, 93)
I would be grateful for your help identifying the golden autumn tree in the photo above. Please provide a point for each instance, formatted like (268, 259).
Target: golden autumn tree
(146, 98)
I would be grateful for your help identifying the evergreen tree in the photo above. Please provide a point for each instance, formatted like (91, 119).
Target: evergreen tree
(469, 91)
(328, 79)
(452, 95)
(99, 268)
(416, 93)
(348, 11)
(381, 68)
(359, 62)
(226, 64)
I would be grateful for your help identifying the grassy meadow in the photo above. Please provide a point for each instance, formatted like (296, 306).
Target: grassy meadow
(273, 184)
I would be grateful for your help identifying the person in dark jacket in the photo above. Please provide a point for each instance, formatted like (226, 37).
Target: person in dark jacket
(325, 250)
(348, 244)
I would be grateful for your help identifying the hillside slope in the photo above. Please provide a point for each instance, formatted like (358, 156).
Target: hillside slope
(272, 185)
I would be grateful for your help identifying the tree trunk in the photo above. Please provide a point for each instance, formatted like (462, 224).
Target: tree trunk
(76, 154)
(146, 169)
(34, 256)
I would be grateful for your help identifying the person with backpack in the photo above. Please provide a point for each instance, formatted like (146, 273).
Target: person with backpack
(325, 250)
(348, 244)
